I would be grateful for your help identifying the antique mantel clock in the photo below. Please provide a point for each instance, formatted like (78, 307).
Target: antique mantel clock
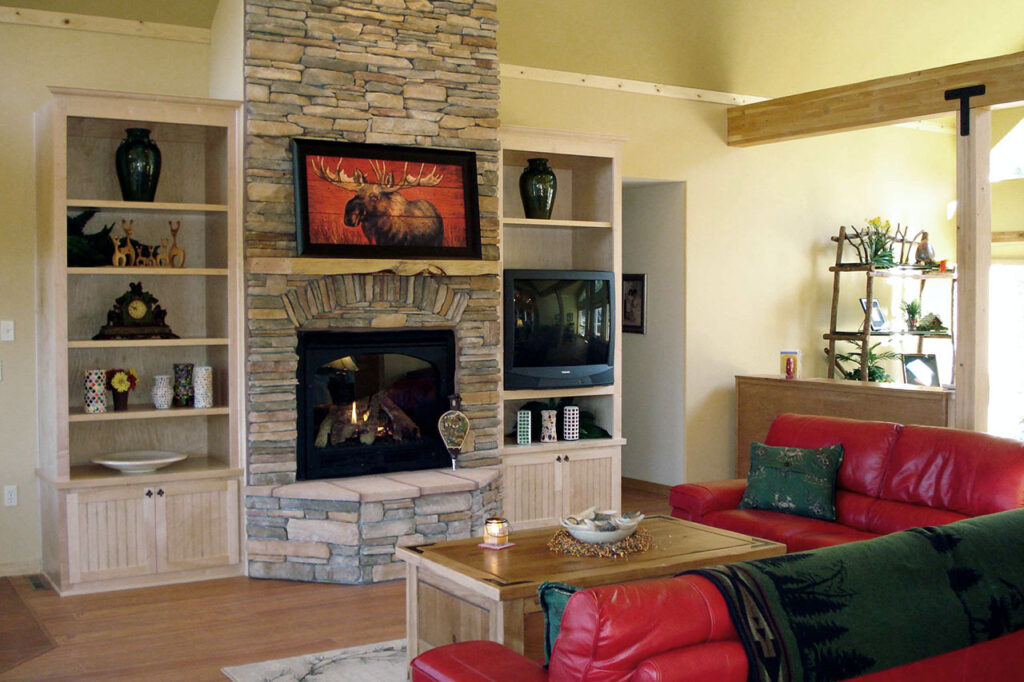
(136, 315)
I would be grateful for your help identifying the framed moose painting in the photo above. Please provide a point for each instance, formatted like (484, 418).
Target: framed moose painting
(383, 201)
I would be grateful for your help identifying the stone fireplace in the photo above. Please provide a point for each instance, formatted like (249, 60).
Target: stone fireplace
(408, 72)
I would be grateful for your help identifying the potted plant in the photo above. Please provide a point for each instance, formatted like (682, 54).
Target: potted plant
(121, 382)
(875, 371)
(911, 313)
(877, 240)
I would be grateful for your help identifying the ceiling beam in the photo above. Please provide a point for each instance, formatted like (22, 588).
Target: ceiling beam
(883, 101)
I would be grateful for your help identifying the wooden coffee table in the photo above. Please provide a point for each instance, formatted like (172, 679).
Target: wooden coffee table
(456, 591)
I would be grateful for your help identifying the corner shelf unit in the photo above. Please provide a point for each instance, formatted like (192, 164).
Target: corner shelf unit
(863, 336)
(102, 529)
(547, 481)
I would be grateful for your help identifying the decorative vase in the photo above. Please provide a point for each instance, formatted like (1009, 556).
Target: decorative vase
(162, 393)
(548, 420)
(202, 383)
(184, 391)
(120, 401)
(95, 396)
(138, 165)
(523, 426)
(571, 422)
(537, 187)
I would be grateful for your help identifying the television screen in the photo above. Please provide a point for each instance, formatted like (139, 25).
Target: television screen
(559, 328)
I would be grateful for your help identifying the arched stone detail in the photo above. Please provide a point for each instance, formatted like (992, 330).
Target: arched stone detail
(331, 295)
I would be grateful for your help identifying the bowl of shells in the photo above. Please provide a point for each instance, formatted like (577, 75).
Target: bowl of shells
(597, 527)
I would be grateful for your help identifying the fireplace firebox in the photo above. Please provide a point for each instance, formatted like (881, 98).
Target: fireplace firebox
(368, 401)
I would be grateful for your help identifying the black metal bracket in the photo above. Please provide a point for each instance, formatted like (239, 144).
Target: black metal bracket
(965, 95)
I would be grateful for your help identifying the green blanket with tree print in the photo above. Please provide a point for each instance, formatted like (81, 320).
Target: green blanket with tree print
(853, 609)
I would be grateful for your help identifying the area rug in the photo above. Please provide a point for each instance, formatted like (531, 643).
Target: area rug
(21, 636)
(379, 662)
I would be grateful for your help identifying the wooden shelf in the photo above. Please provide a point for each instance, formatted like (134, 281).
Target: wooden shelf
(95, 475)
(848, 336)
(147, 206)
(140, 272)
(147, 412)
(368, 266)
(564, 224)
(148, 343)
(541, 393)
(510, 447)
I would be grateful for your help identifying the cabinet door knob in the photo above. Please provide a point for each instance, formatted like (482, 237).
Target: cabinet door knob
(566, 458)
(558, 459)
(149, 493)
(160, 492)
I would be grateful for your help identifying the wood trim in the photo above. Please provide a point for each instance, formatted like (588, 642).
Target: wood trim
(84, 22)
(974, 258)
(588, 80)
(882, 101)
(365, 266)
(1006, 236)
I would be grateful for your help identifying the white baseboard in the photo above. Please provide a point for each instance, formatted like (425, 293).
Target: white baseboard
(19, 568)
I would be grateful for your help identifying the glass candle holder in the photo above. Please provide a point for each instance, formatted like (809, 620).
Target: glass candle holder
(496, 531)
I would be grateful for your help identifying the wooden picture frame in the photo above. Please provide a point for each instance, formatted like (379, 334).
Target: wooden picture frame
(384, 201)
(920, 369)
(634, 303)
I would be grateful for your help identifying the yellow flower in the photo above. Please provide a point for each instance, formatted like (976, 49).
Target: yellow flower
(120, 382)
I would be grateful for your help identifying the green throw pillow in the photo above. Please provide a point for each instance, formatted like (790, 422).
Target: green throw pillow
(553, 598)
(793, 480)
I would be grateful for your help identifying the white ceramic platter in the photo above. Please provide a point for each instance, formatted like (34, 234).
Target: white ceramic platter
(138, 461)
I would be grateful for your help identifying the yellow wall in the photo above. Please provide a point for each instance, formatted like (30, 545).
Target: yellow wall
(758, 221)
(33, 58)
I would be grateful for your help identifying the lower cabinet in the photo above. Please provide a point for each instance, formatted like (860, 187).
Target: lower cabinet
(542, 488)
(127, 532)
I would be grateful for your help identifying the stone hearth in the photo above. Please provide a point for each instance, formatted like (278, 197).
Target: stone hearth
(346, 530)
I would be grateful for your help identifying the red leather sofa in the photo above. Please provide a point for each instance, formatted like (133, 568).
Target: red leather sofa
(608, 634)
(892, 477)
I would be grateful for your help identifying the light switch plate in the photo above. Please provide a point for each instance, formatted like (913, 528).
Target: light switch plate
(6, 330)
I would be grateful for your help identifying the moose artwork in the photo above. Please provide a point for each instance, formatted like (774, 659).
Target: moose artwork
(383, 201)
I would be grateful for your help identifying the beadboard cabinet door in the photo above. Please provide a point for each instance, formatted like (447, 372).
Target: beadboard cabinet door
(196, 524)
(110, 533)
(591, 478)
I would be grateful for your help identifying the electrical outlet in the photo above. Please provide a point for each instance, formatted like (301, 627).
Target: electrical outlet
(10, 496)
(6, 330)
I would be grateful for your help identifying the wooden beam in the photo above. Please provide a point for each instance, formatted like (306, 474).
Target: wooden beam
(883, 101)
(973, 258)
(96, 24)
(1007, 237)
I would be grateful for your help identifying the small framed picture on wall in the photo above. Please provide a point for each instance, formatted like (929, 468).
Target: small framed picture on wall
(634, 304)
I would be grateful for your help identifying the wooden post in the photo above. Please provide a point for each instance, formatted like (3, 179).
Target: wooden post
(973, 257)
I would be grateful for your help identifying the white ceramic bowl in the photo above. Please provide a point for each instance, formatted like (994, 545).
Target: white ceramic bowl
(583, 534)
(138, 461)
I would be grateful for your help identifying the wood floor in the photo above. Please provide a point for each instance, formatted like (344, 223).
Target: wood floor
(191, 631)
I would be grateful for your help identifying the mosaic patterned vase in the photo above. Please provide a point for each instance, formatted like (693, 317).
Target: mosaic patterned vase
(571, 422)
(95, 397)
(202, 379)
(184, 390)
(163, 393)
(548, 430)
(523, 426)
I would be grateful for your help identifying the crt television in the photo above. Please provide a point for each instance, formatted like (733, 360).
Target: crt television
(559, 328)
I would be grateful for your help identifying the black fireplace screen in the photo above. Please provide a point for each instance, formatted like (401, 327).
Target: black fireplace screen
(368, 402)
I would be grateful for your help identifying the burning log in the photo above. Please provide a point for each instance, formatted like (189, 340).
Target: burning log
(366, 420)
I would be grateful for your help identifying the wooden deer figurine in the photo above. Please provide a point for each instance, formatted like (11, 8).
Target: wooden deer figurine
(161, 255)
(175, 256)
(146, 260)
(124, 254)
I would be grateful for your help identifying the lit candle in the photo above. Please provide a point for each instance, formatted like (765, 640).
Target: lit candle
(496, 531)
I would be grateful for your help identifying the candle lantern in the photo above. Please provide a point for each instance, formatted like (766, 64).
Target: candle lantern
(496, 532)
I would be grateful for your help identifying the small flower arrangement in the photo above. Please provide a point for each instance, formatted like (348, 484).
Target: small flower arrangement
(122, 380)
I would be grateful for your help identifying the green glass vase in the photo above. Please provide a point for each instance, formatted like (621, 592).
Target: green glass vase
(537, 187)
(137, 160)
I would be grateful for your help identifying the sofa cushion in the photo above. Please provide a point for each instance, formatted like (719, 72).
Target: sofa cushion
(796, 532)
(793, 480)
(961, 471)
(867, 446)
(553, 598)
